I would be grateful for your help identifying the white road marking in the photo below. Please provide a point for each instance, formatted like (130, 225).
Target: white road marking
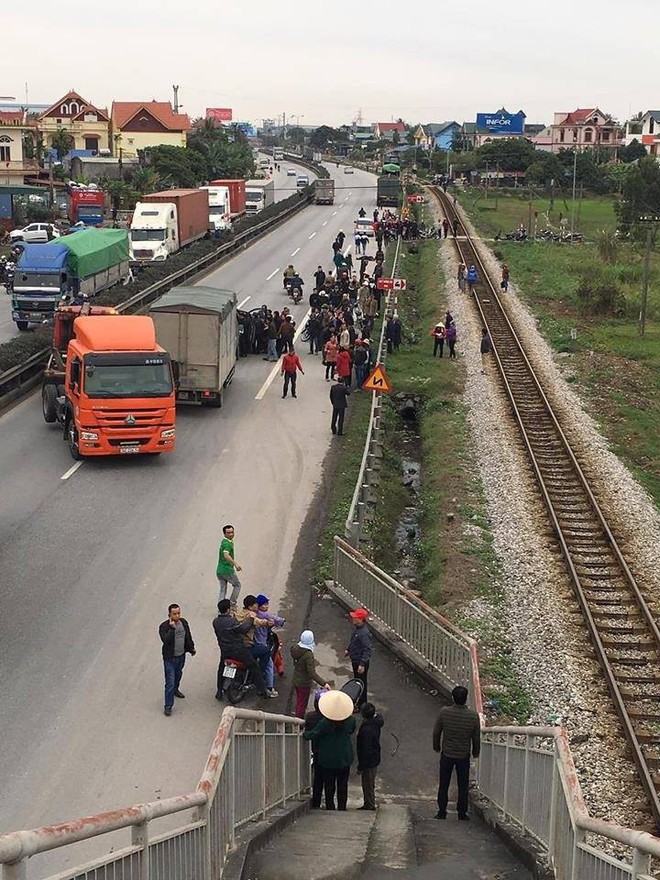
(326, 222)
(277, 367)
(312, 236)
(295, 252)
(241, 304)
(333, 213)
(72, 470)
(339, 208)
(346, 199)
(273, 273)
(346, 252)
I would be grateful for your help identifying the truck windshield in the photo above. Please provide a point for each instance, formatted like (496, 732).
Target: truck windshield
(128, 380)
(148, 234)
(90, 211)
(37, 281)
(254, 195)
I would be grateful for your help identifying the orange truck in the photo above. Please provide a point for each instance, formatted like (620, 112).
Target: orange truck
(109, 384)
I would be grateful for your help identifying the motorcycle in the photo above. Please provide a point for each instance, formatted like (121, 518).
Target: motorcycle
(236, 681)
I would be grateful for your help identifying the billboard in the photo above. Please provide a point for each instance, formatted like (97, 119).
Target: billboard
(502, 122)
(219, 114)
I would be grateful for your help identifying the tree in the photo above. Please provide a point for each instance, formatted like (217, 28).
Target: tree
(410, 136)
(176, 166)
(222, 152)
(640, 198)
(632, 151)
(297, 135)
(457, 142)
(144, 180)
(545, 168)
(396, 138)
(33, 145)
(511, 154)
(62, 143)
(323, 136)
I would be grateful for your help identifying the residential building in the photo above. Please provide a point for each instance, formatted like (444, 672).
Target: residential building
(542, 140)
(13, 164)
(441, 134)
(89, 126)
(650, 136)
(386, 130)
(583, 129)
(140, 124)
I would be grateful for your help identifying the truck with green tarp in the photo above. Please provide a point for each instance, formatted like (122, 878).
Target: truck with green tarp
(81, 264)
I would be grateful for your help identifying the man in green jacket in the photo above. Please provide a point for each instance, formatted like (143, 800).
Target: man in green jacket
(227, 566)
(457, 732)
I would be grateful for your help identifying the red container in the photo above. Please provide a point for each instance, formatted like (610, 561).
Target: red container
(192, 208)
(236, 195)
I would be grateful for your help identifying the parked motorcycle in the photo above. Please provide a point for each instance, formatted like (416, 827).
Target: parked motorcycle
(236, 681)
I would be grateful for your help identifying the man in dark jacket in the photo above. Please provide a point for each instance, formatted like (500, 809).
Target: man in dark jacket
(368, 753)
(229, 633)
(457, 732)
(311, 720)
(359, 648)
(338, 398)
(319, 278)
(177, 642)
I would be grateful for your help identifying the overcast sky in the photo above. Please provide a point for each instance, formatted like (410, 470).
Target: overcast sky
(427, 61)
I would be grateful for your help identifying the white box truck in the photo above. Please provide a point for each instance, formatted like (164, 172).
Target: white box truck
(219, 207)
(259, 194)
(198, 326)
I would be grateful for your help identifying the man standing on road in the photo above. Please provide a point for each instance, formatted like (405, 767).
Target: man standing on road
(457, 732)
(229, 632)
(338, 397)
(359, 649)
(177, 642)
(290, 365)
(319, 278)
(227, 566)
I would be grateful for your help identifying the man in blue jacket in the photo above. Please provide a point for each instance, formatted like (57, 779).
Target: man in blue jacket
(359, 649)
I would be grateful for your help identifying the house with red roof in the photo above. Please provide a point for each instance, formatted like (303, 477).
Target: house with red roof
(89, 126)
(140, 124)
(385, 130)
(583, 129)
(14, 125)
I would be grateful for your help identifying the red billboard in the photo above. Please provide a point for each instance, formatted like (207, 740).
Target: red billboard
(220, 114)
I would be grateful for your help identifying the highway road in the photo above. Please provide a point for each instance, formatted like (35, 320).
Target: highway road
(92, 555)
(284, 187)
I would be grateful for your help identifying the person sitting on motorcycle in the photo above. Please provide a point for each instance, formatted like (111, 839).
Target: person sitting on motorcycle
(229, 633)
(362, 213)
(288, 273)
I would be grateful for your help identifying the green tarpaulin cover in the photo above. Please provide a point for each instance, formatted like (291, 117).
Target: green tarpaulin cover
(94, 250)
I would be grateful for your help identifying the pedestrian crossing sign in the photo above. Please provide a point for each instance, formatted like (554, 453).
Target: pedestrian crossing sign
(378, 380)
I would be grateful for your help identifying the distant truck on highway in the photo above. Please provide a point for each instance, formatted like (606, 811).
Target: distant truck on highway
(278, 154)
(388, 191)
(199, 328)
(85, 262)
(219, 207)
(236, 187)
(109, 384)
(85, 205)
(324, 191)
(259, 194)
(164, 222)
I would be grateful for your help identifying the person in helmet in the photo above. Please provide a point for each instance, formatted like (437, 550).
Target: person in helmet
(340, 238)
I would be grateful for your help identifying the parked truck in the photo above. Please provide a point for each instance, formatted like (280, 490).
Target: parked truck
(236, 187)
(85, 205)
(164, 222)
(199, 328)
(388, 192)
(259, 194)
(86, 262)
(109, 384)
(219, 207)
(324, 191)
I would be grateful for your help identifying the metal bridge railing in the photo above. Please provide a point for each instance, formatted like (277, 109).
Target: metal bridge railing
(257, 762)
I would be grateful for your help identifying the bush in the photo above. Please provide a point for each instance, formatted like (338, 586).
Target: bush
(599, 294)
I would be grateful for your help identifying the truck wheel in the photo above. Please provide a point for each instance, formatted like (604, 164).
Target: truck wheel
(49, 403)
(22, 325)
(73, 442)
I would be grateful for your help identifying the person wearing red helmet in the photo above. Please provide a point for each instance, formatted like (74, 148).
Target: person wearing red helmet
(359, 649)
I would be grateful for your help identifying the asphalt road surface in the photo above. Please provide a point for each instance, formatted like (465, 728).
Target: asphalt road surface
(92, 555)
(284, 187)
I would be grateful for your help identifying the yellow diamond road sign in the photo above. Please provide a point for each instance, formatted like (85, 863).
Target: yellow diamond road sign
(378, 380)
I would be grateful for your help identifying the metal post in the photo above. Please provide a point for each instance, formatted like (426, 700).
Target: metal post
(645, 281)
(282, 731)
(553, 803)
(140, 837)
(506, 776)
(641, 864)
(15, 871)
(525, 786)
(573, 202)
(231, 756)
(263, 768)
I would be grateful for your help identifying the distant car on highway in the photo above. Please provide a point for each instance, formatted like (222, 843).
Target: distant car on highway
(291, 172)
(35, 232)
(364, 226)
(348, 169)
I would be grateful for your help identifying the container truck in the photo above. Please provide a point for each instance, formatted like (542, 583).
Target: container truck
(259, 194)
(324, 191)
(109, 384)
(388, 192)
(199, 328)
(86, 262)
(219, 207)
(278, 154)
(164, 222)
(236, 189)
(85, 205)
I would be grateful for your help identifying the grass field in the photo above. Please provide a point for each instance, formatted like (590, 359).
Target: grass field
(618, 369)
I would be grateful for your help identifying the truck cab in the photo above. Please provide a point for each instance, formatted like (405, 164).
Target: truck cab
(109, 384)
(154, 232)
(219, 207)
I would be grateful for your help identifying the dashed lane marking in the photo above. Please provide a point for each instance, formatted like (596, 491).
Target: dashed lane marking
(295, 252)
(241, 304)
(273, 273)
(312, 236)
(72, 470)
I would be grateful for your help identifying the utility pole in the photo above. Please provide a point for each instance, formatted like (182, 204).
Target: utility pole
(573, 203)
(175, 89)
(645, 276)
(486, 187)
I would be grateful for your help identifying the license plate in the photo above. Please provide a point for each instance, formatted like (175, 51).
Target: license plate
(184, 395)
(128, 450)
(230, 672)
(34, 316)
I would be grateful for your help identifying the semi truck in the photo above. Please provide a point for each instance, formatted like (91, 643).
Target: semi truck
(164, 222)
(388, 192)
(278, 154)
(324, 191)
(219, 207)
(85, 262)
(259, 194)
(199, 328)
(85, 205)
(236, 187)
(109, 384)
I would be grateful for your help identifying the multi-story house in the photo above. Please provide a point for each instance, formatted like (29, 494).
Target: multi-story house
(13, 164)
(650, 136)
(87, 125)
(140, 124)
(583, 129)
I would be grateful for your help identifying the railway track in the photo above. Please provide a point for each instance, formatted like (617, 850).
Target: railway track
(621, 626)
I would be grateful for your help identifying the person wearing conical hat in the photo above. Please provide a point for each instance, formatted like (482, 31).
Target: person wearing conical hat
(334, 748)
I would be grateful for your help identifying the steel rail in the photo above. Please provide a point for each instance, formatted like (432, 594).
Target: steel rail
(557, 472)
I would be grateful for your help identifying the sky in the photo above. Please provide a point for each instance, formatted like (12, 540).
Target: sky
(425, 62)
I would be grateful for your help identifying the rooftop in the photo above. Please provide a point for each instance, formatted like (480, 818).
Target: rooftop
(124, 111)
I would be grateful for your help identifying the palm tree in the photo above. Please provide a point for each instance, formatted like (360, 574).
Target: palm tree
(145, 180)
(62, 143)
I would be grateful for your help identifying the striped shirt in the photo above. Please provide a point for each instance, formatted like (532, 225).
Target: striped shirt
(460, 730)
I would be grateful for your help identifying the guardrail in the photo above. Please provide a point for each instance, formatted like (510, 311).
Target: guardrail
(257, 762)
(17, 380)
(363, 495)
